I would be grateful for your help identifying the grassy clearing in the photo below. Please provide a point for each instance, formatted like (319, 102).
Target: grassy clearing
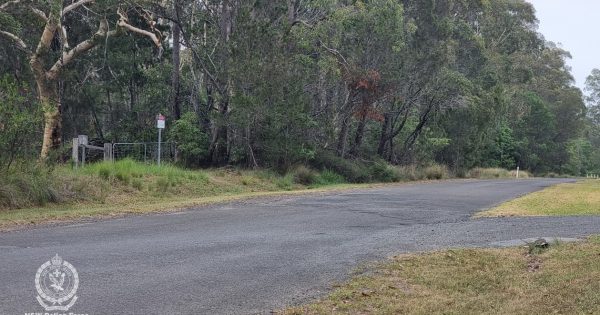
(563, 279)
(581, 198)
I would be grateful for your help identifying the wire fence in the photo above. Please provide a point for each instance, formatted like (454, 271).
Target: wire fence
(144, 151)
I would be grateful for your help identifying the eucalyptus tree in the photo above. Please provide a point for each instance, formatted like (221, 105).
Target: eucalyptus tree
(42, 31)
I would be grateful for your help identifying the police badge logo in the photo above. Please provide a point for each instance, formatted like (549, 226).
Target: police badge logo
(56, 282)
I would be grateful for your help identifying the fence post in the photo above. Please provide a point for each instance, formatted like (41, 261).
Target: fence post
(75, 153)
(108, 152)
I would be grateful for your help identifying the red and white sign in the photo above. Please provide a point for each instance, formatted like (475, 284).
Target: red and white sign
(160, 121)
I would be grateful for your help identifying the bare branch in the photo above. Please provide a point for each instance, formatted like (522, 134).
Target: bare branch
(39, 13)
(20, 43)
(81, 48)
(339, 56)
(75, 5)
(63, 37)
(7, 4)
(124, 23)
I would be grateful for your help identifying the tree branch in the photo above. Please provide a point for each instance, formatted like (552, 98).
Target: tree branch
(63, 37)
(69, 56)
(5, 5)
(124, 23)
(39, 13)
(75, 5)
(20, 43)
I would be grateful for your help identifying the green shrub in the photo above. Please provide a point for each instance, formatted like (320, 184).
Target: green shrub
(104, 173)
(20, 121)
(328, 177)
(436, 171)
(286, 182)
(381, 171)
(27, 185)
(352, 171)
(123, 177)
(304, 175)
(192, 142)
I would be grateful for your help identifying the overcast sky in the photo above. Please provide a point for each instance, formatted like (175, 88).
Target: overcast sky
(576, 25)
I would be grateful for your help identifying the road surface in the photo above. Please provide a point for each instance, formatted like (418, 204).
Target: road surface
(259, 255)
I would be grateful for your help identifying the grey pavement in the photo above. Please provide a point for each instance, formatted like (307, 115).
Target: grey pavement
(260, 255)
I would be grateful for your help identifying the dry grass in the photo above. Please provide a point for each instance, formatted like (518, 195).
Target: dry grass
(581, 198)
(565, 279)
(108, 190)
(491, 173)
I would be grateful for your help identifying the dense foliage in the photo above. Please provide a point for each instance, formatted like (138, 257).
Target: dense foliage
(463, 83)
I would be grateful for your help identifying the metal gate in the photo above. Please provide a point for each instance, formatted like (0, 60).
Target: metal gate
(144, 151)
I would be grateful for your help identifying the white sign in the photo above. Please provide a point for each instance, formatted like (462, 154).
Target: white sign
(160, 121)
(56, 282)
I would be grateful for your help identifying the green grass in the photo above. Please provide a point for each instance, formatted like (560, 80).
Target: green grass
(581, 198)
(34, 195)
(126, 186)
(563, 279)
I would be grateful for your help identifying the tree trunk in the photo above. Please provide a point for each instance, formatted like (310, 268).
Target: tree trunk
(360, 132)
(384, 136)
(175, 86)
(48, 96)
(219, 147)
(342, 138)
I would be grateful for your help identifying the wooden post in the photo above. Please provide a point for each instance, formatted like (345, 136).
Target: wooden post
(108, 152)
(75, 154)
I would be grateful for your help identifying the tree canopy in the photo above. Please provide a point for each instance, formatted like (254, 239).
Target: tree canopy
(466, 83)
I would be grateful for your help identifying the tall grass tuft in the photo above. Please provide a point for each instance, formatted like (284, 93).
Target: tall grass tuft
(125, 170)
(27, 185)
(436, 171)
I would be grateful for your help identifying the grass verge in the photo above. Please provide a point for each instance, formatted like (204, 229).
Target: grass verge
(33, 194)
(563, 279)
(127, 187)
(580, 198)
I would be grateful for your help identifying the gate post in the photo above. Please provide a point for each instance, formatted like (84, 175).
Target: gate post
(108, 155)
(75, 153)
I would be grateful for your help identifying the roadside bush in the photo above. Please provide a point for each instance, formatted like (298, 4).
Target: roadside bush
(304, 175)
(410, 172)
(286, 182)
(491, 173)
(192, 142)
(328, 177)
(381, 171)
(488, 173)
(20, 123)
(522, 174)
(352, 171)
(437, 171)
(27, 186)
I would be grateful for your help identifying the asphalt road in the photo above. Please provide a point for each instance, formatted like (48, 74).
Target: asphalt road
(256, 256)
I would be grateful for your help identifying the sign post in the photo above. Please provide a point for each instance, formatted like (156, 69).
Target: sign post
(160, 124)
